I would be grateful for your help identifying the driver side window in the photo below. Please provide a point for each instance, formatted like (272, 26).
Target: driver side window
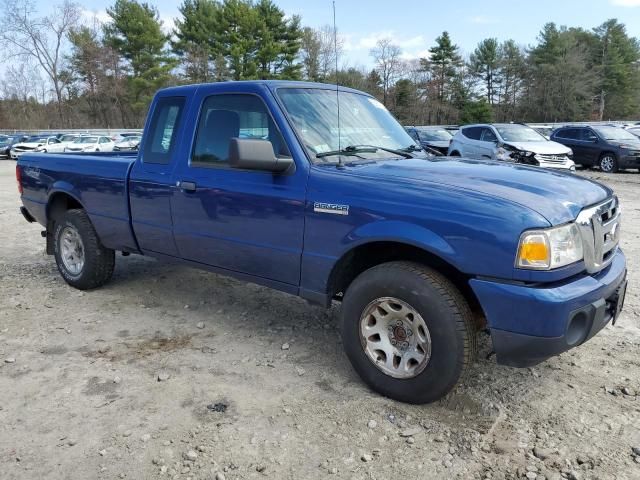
(488, 136)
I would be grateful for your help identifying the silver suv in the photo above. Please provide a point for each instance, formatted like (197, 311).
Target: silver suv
(510, 142)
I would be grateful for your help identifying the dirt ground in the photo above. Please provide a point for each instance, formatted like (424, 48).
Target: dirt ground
(254, 384)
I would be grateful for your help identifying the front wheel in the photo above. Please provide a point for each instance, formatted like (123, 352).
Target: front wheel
(81, 259)
(407, 331)
(609, 163)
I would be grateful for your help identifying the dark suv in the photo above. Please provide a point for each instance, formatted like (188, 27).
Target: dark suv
(607, 147)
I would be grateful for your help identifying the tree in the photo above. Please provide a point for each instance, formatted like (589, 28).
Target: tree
(25, 34)
(197, 38)
(476, 111)
(443, 62)
(318, 52)
(619, 76)
(387, 59)
(278, 42)
(135, 32)
(485, 63)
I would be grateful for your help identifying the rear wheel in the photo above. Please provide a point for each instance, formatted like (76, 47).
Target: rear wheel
(81, 259)
(608, 163)
(407, 331)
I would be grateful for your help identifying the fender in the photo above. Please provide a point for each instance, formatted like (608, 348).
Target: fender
(400, 232)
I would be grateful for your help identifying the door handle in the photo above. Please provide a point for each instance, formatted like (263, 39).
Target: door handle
(186, 186)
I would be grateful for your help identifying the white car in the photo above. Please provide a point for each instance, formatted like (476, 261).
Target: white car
(36, 143)
(91, 143)
(635, 130)
(65, 140)
(510, 142)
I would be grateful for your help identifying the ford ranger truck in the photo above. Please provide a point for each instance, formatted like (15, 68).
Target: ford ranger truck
(265, 181)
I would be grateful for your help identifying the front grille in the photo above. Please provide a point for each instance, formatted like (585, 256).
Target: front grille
(551, 158)
(600, 231)
(23, 149)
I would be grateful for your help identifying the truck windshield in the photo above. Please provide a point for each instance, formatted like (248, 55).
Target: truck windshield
(363, 121)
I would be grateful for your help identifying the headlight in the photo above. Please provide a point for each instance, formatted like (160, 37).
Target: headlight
(503, 154)
(550, 248)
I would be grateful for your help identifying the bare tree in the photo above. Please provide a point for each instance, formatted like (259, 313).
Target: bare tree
(388, 64)
(318, 52)
(27, 35)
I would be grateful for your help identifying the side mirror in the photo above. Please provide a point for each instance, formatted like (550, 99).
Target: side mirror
(256, 154)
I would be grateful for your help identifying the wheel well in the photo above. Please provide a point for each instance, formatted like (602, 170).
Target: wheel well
(608, 152)
(366, 256)
(455, 153)
(59, 203)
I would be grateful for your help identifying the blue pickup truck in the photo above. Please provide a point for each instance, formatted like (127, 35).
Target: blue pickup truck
(317, 191)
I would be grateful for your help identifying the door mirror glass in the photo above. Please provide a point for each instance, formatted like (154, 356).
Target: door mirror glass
(256, 154)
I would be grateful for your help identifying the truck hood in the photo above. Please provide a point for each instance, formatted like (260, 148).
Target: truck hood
(557, 196)
(542, 148)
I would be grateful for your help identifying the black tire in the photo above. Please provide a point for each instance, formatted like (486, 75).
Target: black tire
(99, 261)
(608, 162)
(445, 312)
(455, 154)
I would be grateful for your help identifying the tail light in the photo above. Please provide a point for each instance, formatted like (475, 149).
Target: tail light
(19, 179)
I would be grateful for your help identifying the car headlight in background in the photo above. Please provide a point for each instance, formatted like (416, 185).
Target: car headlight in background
(550, 248)
(503, 154)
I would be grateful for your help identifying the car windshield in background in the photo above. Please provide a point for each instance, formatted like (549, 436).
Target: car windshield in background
(614, 133)
(86, 140)
(35, 139)
(519, 133)
(434, 135)
(363, 121)
(68, 138)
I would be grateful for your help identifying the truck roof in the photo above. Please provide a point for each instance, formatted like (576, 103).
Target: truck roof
(270, 84)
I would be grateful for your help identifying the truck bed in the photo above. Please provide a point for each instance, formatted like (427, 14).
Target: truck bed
(99, 181)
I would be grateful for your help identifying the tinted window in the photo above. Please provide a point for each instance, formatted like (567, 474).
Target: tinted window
(472, 132)
(588, 135)
(224, 117)
(488, 135)
(163, 128)
(568, 133)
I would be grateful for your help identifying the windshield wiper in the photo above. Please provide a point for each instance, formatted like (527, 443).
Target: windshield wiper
(357, 149)
(412, 148)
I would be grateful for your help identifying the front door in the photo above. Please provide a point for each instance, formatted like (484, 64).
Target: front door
(245, 221)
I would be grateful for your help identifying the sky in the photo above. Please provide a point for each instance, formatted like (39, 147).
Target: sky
(414, 25)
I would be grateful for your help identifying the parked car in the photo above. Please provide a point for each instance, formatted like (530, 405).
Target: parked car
(544, 130)
(90, 143)
(610, 148)
(128, 143)
(433, 138)
(5, 147)
(421, 251)
(510, 142)
(35, 143)
(635, 130)
(65, 140)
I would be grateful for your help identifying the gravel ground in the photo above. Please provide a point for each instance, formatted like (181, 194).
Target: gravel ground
(169, 372)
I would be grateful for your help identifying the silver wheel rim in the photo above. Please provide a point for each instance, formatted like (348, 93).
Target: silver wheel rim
(606, 164)
(395, 337)
(71, 250)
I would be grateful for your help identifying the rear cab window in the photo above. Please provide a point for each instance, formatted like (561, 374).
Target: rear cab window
(163, 127)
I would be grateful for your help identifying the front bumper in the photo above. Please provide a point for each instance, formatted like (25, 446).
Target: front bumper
(629, 161)
(530, 324)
